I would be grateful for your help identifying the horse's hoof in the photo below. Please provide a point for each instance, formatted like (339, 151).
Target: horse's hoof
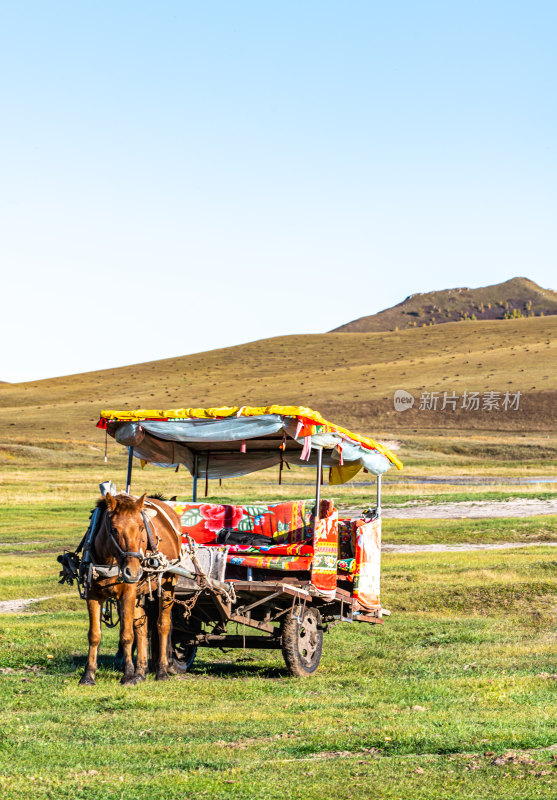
(162, 676)
(132, 680)
(87, 680)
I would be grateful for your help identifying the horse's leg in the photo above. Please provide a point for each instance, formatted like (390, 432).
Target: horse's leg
(127, 608)
(166, 602)
(119, 655)
(94, 608)
(140, 626)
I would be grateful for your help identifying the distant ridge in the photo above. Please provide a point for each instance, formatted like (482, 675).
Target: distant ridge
(515, 298)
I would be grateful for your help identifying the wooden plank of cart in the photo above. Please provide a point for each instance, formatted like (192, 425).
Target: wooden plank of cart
(263, 575)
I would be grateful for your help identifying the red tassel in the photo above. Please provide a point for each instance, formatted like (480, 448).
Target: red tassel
(243, 447)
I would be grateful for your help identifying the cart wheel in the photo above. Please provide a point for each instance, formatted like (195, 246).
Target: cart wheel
(182, 650)
(302, 641)
(183, 656)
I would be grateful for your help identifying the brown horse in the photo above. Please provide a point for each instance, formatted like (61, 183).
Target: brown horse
(122, 539)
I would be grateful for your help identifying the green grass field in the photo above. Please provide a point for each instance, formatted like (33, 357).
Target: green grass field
(453, 697)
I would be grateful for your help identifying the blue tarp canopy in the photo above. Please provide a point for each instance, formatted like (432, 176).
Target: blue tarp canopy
(234, 446)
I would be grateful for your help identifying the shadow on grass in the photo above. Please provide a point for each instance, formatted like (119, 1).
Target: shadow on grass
(75, 664)
(232, 669)
(103, 661)
(216, 669)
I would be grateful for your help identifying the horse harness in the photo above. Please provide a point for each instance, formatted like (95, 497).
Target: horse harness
(85, 569)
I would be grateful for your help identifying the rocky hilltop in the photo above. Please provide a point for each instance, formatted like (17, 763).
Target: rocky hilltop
(513, 299)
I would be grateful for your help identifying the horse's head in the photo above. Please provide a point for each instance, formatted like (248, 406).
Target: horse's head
(127, 537)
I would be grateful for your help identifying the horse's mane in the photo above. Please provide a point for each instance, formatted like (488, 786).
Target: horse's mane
(127, 503)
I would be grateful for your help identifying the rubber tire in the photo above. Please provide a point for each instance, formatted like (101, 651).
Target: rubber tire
(183, 657)
(182, 651)
(302, 661)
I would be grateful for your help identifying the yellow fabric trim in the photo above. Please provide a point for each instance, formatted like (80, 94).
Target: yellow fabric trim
(338, 475)
(248, 411)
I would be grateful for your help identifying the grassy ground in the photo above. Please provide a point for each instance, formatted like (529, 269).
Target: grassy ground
(453, 697)
(59, 472)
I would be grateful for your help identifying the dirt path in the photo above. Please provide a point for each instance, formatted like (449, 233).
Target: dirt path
(17, 606)
(458, 548)
(476, 509)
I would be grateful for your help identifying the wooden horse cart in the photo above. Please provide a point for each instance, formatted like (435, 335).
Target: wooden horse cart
(263, 575)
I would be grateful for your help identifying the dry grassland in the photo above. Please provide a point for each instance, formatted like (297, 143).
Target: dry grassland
(349, 377)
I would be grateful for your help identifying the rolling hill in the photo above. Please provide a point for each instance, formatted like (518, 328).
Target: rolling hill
(513, 299)
(349, 378)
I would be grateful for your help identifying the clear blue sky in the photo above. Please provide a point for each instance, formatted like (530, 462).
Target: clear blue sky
(180, 176)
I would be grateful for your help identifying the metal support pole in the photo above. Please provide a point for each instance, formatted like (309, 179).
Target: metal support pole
(318, 485)
(379, 495)
(129, 475)
(195, 467)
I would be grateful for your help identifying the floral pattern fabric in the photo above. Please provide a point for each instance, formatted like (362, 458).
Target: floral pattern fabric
(346, 565)
(351, 548)
(287, 523)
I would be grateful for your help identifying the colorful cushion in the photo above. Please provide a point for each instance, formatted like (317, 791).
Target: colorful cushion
(288, 563)
(346, 565)
(300, 549)
(289, 522)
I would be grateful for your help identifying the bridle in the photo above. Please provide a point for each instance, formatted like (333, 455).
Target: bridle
(149, 560)
(123, 555)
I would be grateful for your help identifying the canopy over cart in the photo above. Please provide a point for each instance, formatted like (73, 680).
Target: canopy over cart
(229, 442)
